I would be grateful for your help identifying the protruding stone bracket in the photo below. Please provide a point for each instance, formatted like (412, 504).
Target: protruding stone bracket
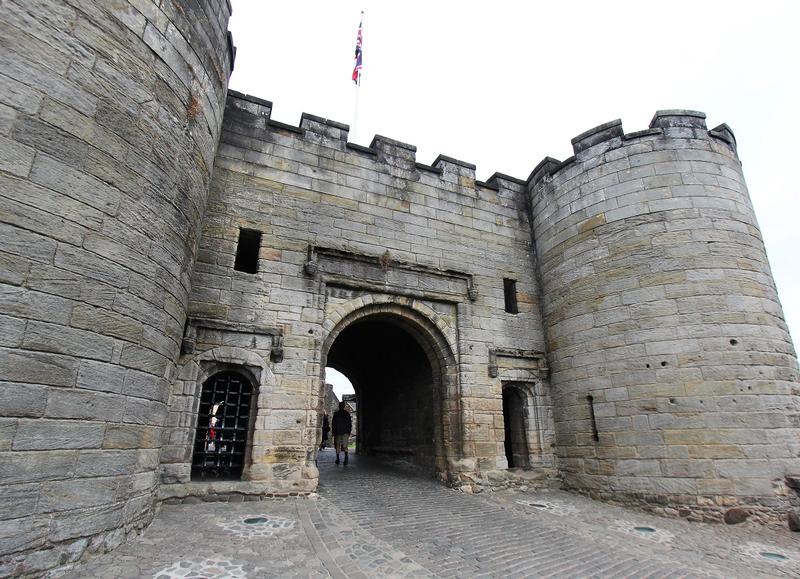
(472, 292)
(189, 343)
(536, 361)
(322, 262)
(310, 266)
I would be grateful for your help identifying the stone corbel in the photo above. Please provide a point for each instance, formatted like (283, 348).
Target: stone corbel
(311, 266)
(189, 338)
(472, 292)
(276, 352)
(493, 372)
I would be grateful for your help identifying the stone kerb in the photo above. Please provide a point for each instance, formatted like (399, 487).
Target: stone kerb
(659, 303)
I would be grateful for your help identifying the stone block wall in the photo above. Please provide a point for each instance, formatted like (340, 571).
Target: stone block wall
(332, 215)
(659, 303)
(109, 117)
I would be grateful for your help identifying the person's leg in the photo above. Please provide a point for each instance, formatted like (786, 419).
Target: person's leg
(336, 445)
(345, 442)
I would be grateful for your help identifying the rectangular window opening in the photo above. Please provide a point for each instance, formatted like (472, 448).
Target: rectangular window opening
(247, 251)
(510, 293)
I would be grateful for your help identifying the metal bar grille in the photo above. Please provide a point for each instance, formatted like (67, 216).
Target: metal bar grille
(222, 427)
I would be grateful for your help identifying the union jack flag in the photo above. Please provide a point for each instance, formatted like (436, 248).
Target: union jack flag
(357, 67)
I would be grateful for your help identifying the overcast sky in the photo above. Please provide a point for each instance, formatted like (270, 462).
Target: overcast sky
(504, 84)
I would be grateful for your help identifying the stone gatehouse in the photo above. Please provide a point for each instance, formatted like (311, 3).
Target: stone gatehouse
(178, 269)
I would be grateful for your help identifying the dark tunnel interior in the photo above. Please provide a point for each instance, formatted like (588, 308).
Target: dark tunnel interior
(394, 384)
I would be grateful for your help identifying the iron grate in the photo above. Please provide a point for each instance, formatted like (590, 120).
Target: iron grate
(223, 423)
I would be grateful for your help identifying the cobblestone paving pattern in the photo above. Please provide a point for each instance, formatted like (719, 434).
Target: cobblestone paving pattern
(378, 520)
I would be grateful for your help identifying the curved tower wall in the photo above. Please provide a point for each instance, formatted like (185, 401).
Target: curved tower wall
(659, 303)
(109, 123)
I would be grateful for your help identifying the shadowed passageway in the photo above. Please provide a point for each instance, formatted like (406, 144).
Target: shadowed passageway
(397, 375)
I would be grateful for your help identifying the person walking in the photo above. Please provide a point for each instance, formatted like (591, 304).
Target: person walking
(326, 428)
(342, 425)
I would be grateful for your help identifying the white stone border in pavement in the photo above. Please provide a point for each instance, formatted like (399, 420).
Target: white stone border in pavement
(553, 507)
(211, 568)
(757, 550)
(630, 528)
(269, 527)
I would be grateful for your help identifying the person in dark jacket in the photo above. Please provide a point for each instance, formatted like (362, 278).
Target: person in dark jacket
(326, 428)
(342, 425)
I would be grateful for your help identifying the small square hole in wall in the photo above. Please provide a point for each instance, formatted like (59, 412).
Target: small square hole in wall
(247, 251)
(510, 293)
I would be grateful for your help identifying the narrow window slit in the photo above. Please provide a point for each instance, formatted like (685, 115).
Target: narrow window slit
(510, 294)
(247, 251)
(595, 434)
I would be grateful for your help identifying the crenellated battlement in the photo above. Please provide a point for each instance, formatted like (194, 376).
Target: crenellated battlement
(673, 123)
(252, 113)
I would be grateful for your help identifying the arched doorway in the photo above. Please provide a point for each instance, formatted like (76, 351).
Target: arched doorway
(223, 426)
(516, 442)
(404, 375)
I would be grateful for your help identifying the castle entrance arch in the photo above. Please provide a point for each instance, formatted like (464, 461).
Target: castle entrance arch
(404, 374)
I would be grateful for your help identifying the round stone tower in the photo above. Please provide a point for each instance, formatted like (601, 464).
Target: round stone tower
(109, 119)
(674, 377)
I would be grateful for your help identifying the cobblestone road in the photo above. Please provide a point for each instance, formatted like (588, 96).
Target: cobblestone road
(374, 520)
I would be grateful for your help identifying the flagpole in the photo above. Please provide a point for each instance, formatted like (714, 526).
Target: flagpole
(354, 137)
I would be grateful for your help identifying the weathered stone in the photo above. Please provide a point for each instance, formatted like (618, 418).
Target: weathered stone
(735, 516)
(123, 436)
(63, 340)
(21, 534)
(25, 243)
(8, 427)
(793, 519)
(37, 367)
(19, 501)
(58, 435)
(23, 467)
(77, 494)
(85, 522)
(106, 322)
(22, 400)
(101, 376)
(84, 405)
